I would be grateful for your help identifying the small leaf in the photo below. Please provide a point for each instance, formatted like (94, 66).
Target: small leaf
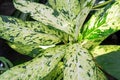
(45, 15)
(14, 31)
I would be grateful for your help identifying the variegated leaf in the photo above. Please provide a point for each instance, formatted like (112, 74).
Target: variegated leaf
(79, 65)
(101, 26)
(45, 15)
(37, 68)
(86, 6)
(21, 15)
(104, 49)
(68, 8)
(39, 27)
(13, 30)
(35, 26)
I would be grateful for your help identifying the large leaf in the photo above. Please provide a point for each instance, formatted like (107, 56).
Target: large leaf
(45, 14)
(38, 27)
(37, 68)
(79, 65)
(101, 26)
(13, 30)
(68, 8)
(108, 56)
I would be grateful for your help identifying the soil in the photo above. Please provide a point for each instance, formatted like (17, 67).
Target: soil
(7, 8)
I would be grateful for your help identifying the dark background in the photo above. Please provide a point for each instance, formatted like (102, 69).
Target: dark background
(7, 8)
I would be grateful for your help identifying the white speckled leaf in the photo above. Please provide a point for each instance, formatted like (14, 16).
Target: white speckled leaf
(37, 68)
(79, 65)
(45, 14)
(34, 26)
(39, 27)
(104, 49)
(15, 32)
(68, 8)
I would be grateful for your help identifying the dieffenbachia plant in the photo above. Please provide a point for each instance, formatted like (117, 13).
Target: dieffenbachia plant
(61, 25)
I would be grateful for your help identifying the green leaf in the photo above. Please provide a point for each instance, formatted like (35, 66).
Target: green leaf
(37, 68)
(55, 73)
(5, 64)
(108, 57)
(102, 25)
(68, 8)
(45, 15)
(79, 65)
(31, 50)
(13, 30)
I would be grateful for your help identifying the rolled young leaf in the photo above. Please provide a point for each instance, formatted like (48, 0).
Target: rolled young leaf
(101, 26)
(37, 68)
(13, 31)
(79, 65)
(45, 14)
(86, 6)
